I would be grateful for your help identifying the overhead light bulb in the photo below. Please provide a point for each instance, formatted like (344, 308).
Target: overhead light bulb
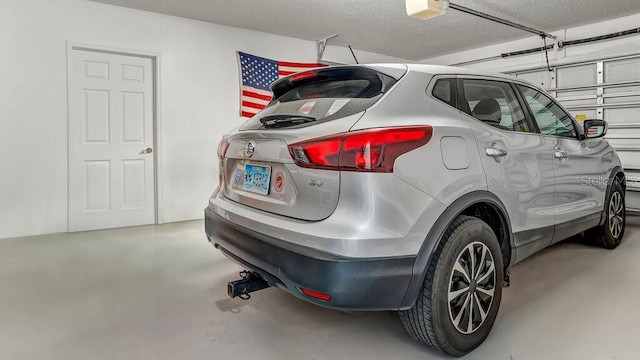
(423, 9)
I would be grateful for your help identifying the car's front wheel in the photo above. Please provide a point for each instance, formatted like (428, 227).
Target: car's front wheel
(461, 294)
(610, 233)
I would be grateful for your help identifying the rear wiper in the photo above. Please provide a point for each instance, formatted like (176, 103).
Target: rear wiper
(284, 120)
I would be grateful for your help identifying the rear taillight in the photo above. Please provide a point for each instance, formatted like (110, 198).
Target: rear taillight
(372, 150)
(222, 148)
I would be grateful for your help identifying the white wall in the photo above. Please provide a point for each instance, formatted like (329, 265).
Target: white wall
(620, 46)
(199, 100)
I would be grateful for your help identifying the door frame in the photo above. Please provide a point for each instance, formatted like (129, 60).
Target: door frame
(157, 127)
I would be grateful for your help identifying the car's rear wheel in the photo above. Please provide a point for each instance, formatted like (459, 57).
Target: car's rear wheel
(610, 233)
(461, 294)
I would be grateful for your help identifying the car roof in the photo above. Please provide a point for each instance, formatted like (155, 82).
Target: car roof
(448, 70)
(442, 70)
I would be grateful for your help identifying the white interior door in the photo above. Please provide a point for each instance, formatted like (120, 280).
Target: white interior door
(111, 155)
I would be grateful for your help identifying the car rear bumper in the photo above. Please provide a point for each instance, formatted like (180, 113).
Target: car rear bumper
(352, 283)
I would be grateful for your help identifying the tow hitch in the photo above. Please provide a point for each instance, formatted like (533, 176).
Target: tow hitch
(249, 283)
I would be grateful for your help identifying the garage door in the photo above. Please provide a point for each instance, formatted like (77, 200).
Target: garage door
(606, 89)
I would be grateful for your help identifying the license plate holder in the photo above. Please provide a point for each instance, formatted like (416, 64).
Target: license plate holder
(257, 178)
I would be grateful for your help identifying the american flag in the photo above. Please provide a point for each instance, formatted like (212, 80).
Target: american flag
(257, 74)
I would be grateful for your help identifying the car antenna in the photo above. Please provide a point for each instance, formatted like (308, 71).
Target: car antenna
(354, 55)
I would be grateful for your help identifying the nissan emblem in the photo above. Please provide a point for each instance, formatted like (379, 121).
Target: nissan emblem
(250, 148)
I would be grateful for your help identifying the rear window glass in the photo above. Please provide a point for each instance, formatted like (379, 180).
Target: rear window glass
(327, 95)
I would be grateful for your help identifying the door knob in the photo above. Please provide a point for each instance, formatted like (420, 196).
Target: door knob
(146, 151)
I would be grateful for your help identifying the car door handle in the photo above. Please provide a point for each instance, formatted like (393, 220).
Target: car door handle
(560, 154)
(496, 152)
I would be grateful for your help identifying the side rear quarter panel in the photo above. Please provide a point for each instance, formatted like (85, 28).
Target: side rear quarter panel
(449, 165)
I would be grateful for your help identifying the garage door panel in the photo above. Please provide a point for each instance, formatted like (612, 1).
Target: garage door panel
(577, 76)
(622, 99)
(622, 133)
(577, 97)
(622, 70)
(629, 159)
(622, 89)
(621, 142)
(622, 116)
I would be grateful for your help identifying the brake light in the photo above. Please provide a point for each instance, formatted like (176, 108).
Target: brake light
(222, 148)
(372, 150)
(303, 75)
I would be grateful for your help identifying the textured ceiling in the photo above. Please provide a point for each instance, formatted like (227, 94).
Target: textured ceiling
(382, 26)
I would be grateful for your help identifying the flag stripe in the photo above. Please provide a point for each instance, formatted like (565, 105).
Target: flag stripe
(256, 91)
(247, 114)
(249, 109)
(256, 95)
(255, 101)
(253, 105)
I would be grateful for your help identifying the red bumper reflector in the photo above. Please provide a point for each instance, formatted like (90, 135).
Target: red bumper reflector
(316, 295)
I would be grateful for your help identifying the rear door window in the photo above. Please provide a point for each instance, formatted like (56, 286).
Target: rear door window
(495, 104)
(321, 95)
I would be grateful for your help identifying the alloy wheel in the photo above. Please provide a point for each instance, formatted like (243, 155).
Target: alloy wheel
(472, 286)
(616, 214)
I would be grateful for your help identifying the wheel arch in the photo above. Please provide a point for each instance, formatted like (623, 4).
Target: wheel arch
(617, 174)
(481, 204)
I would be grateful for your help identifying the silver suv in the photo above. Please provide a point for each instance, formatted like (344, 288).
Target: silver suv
(410, 188)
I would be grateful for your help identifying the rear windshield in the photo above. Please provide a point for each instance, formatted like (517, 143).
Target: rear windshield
(322, 95)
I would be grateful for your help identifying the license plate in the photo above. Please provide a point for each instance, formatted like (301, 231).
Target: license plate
(257, 178)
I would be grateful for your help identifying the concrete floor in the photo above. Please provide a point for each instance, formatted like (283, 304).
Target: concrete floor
(159, 292)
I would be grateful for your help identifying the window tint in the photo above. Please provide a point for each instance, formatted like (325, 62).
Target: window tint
(551, 119)
(445, 90)
(342, 89)
(495, 104)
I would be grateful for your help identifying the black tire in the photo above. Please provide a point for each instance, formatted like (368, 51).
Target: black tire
(609, 235)
(431, 319)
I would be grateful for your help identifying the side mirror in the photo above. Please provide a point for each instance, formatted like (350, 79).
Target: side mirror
(595, 128)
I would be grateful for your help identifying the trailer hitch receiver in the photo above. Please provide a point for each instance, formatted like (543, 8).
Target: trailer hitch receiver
(248, 283)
